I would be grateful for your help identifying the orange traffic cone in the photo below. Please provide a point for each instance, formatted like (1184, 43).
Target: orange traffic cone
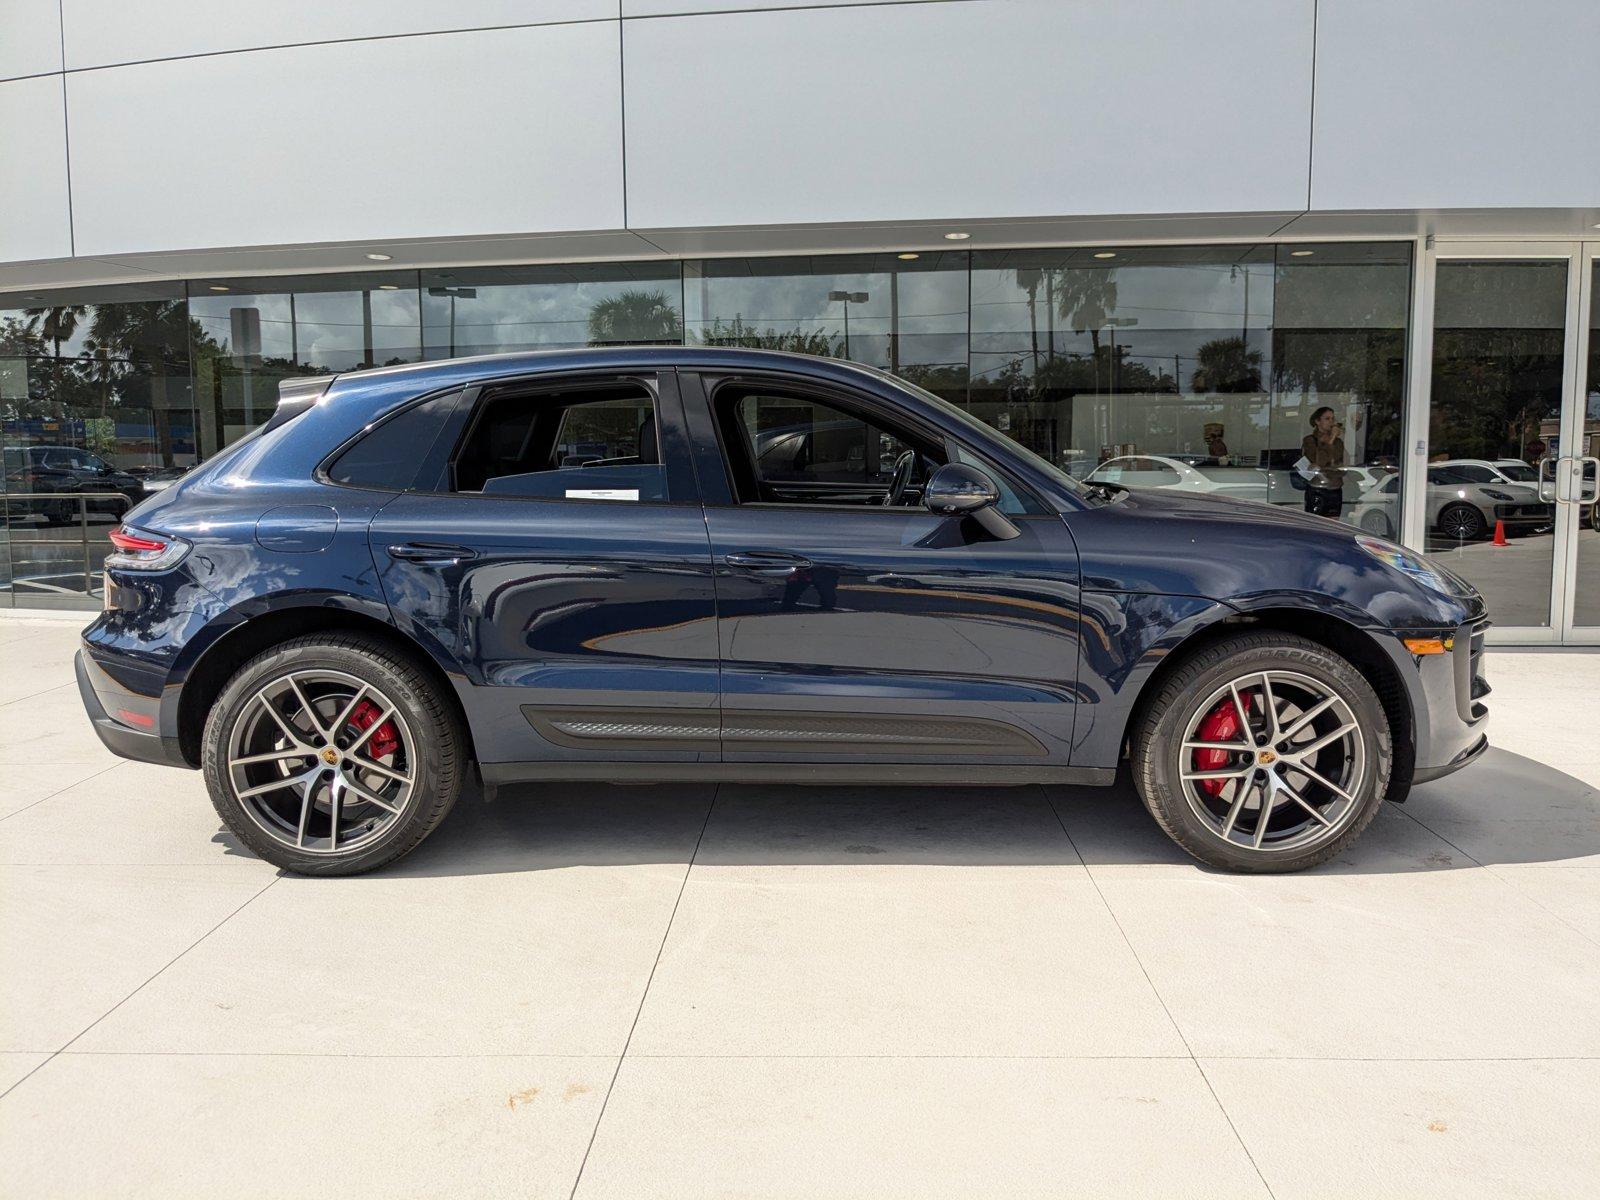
(1500, 534)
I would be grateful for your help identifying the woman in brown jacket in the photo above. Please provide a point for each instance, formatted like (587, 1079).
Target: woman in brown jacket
(1324, 450)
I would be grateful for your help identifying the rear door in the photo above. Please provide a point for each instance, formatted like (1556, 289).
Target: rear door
(559, 555)
(852, 632)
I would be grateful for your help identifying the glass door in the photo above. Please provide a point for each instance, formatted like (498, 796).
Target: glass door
(1577, 469)
(1497, 403)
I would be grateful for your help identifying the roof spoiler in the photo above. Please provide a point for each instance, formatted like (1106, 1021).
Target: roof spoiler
(295, 396)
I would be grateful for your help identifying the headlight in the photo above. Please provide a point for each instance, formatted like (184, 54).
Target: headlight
(1493, 494)
(1404, 561)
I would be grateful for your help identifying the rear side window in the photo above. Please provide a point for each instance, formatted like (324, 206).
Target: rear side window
(389, 456)
(583, 443)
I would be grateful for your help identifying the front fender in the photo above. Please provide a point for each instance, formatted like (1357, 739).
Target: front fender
(1126, 636)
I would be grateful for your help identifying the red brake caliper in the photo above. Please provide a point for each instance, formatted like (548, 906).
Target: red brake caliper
(385, 740)
(1221, 725)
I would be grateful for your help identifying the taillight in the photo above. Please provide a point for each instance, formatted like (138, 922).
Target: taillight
(137, 550)
(133, 541)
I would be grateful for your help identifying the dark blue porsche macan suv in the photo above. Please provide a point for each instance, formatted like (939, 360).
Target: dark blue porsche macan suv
(680, 564)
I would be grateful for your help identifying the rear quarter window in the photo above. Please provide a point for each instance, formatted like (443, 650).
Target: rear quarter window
(388, 456)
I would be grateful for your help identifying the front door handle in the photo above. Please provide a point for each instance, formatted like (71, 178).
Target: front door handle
(431, 554)
(767, 562)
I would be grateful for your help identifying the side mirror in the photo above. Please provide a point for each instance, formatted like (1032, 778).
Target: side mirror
(962, 490)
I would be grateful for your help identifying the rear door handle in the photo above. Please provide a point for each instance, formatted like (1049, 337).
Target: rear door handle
(767, 562)
(431, 554)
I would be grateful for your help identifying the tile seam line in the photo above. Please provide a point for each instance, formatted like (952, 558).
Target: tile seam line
(1161, 1000)
(555, 1054)
(683, 884)
(1505, 879)
(158, 973)
(52, 796)
(60, 687)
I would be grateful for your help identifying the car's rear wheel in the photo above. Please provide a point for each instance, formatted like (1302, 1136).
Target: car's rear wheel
(1263, 752)
(332, 755)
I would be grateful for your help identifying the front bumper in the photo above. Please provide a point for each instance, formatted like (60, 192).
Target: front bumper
(1450, 719)
(119, 737)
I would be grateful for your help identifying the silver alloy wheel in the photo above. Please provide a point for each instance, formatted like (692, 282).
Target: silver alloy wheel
(1294, 766)
(302, 767)
(1461, 523)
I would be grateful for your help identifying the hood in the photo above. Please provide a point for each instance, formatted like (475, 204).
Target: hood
(1252, 555)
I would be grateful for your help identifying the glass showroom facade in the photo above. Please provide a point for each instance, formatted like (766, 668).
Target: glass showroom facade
(1199, 368)
(1196, 367)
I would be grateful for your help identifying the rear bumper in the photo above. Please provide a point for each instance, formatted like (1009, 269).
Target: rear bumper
(119, 737)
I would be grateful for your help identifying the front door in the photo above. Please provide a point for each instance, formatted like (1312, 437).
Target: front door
(561, 559)
(1514, 422)
(855, 632)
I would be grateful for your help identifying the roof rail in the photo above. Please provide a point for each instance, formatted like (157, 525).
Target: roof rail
(295, 396)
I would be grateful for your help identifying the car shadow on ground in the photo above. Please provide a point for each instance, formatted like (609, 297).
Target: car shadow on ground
(1503, 809)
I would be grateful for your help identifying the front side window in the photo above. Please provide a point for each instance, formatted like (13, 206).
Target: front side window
(794, 448)
(591, 442)
(791, 448)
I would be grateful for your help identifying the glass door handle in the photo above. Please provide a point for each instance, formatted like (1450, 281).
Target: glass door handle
(1586, 475)
(1550, 481)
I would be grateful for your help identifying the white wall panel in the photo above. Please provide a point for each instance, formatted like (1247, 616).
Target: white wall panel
(99, 32)
(907, 111)
(441, 136)
(34, 222)
(1457, 103)
(30, 37)
(657, 8)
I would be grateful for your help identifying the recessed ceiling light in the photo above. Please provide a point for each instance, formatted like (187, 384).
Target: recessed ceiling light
(1301, 253)
(389, 287)
(956, 236)
(219, 287)
(907, 256)
(1106, 254)
(380, 257)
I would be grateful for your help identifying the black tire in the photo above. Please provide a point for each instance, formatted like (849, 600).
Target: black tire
(1463, 523)
(1157, 756)
(438, 770)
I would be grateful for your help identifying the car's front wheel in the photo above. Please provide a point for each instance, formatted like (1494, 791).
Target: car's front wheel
(1463, 523)
(332, 755)
(1263, 752)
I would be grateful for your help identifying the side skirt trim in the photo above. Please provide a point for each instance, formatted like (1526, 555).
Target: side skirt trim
(985, 774)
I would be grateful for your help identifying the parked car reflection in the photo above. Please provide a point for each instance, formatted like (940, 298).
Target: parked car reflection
(1465, 498)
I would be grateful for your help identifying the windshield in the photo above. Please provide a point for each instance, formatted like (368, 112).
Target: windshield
(1043, 465)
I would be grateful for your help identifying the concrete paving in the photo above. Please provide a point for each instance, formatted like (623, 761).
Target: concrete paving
(737, 991)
